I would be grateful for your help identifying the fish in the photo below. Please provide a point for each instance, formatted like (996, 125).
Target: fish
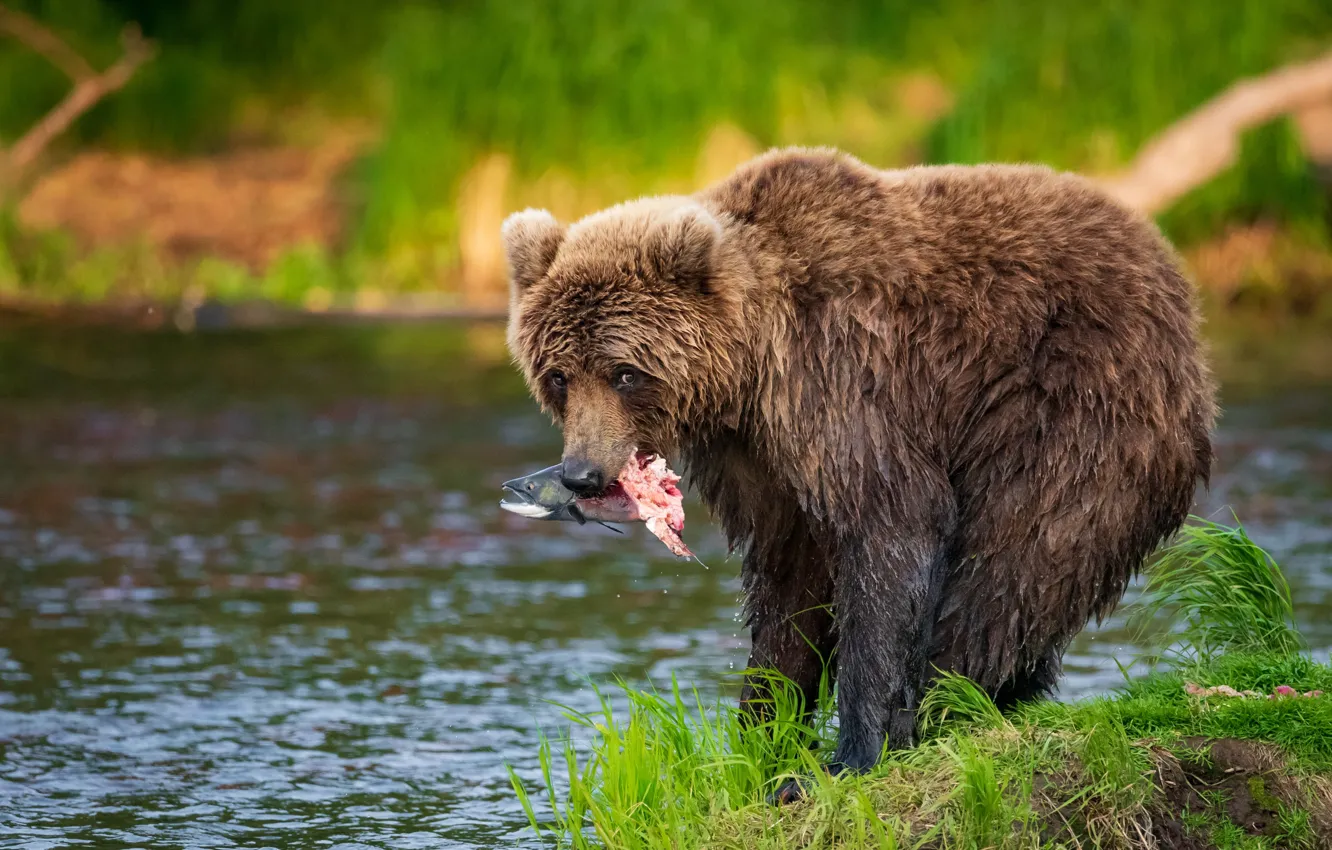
(645, 491)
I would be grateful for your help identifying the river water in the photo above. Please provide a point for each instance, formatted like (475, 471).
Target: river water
(255, 590)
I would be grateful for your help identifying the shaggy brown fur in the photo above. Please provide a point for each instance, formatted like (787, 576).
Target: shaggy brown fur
(946, 412)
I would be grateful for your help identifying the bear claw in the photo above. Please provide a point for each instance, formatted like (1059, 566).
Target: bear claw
(793, 790)
(788, 792)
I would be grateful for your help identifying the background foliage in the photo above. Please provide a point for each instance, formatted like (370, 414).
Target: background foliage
(592, 100)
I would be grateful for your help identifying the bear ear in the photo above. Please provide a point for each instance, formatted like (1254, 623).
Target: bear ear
(684, 245)
(531, 240)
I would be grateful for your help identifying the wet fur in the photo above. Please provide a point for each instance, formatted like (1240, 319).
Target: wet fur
(944, 412)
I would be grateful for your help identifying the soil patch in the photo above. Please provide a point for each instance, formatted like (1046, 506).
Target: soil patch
(247, 206)
(1245, 782)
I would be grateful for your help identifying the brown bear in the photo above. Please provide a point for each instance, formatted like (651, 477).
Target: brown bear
(945, 412)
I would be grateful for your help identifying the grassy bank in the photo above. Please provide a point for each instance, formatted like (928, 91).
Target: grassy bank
(484, 107)
(1173, 760)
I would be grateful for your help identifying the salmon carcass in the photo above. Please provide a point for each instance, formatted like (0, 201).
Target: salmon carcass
(646, 490)
(649, 486)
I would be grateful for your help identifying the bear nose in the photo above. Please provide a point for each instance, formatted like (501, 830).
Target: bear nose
(582, 477)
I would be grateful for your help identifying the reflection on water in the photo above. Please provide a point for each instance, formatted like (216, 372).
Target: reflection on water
(254, 589)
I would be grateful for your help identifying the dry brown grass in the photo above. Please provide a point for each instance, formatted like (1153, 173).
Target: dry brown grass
(247, 206)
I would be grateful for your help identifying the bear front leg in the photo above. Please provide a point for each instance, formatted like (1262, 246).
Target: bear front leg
(887, 592)
(788, 599)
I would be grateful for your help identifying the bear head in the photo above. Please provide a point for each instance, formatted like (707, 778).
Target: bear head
(627, 325)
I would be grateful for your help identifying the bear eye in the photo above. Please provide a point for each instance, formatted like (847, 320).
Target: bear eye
(625, 378)
(558, 381)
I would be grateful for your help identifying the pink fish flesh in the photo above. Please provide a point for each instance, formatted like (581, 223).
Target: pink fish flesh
(645, 490)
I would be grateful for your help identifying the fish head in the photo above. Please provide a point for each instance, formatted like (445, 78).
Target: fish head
(540, 495)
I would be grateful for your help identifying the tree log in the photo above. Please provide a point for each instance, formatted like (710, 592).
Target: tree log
(90, 86)
(1206, 141)
(41, 40)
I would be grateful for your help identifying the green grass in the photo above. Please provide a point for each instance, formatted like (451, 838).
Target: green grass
(47, 266)
(224, 70)
(620, 96)
(1220, 592)
(670, 769)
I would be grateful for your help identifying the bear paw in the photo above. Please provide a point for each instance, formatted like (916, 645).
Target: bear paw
(793, 790)
(788, 792)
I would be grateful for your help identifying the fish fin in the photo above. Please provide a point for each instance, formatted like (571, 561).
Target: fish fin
(577, 515)
(611, 527)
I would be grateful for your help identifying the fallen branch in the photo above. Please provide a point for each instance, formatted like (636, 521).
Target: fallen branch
(43, 41)
(90, 86)
(1206, 142)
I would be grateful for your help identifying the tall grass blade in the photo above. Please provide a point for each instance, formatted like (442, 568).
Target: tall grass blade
(957, 701)
(1219, 592)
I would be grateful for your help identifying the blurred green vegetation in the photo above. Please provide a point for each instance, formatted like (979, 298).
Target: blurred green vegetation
(614, 98)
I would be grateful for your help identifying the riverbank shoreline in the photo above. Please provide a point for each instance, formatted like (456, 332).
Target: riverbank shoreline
(214, 314)
(1227, 745)
(1156, 765)
(144, 314)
